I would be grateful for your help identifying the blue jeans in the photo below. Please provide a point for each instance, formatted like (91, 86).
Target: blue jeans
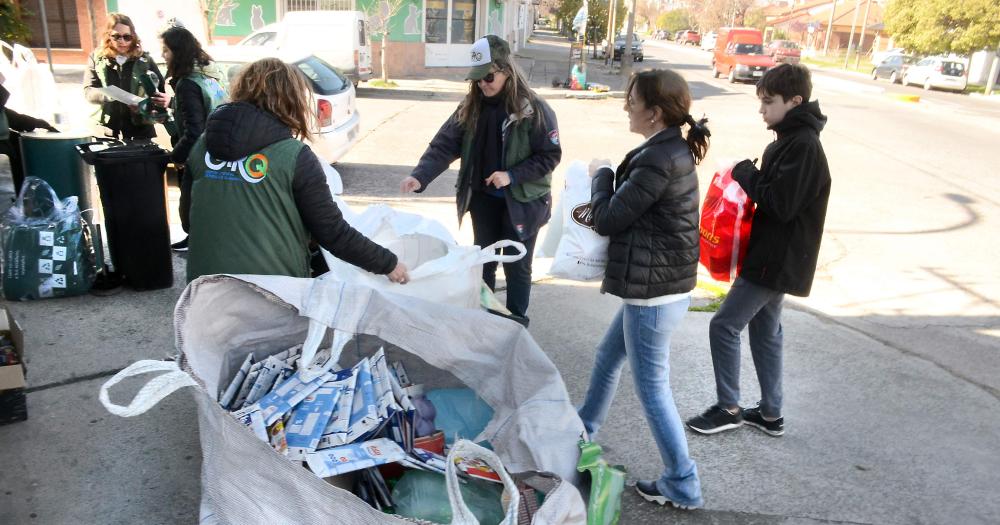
(748, 304)
(642, 333)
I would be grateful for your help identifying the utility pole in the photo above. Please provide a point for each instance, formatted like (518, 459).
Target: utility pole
(850, 40)
(861, 41)
(829, 27)
(994, 69)
(609, 52)
(627, 52)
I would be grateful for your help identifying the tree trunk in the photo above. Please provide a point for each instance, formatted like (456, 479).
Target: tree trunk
(627, 52)
(385, 43)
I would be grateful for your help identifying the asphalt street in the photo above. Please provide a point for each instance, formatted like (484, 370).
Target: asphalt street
(891, 378)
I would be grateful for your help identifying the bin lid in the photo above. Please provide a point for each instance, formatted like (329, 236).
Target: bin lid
(132, 150)
(76, 134)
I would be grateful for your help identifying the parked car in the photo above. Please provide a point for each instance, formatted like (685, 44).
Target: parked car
(893, 67)
(879, 56)
(739, 53)
(677, 35)
(661, 34)
(336, 107)
(637, 53)
(784, 51)
(708, 40)
(689, 36)
(340, 38)
(938, 72)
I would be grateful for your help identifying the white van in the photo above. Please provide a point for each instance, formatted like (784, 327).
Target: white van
(339, 38)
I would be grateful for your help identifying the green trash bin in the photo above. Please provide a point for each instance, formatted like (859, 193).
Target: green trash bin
(53, 158)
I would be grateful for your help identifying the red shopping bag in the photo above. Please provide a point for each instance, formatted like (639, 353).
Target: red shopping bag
(725, 226)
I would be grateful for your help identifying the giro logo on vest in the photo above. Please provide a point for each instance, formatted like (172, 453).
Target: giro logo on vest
(252, 168)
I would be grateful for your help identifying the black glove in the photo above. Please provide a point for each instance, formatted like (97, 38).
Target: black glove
(744, 170)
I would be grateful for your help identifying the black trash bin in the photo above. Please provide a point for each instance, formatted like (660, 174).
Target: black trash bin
(130, 178)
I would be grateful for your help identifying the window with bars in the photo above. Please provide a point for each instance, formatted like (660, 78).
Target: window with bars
(64, 29)
(318, 5)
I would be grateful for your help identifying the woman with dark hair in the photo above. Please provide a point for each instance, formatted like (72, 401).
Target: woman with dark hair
(508, 141)
(120, 62)
(197, 91)
(649, 209)
(258, 194)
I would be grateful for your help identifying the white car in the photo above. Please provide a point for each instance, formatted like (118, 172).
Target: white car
(336, 105)
(938, 72)
(708, 40)
(340, 38)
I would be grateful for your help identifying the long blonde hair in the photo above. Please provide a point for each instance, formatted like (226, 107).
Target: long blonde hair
(108, 48)
(279, 89)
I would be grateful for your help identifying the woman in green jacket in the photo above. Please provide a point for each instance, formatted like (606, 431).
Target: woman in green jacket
(121, 62)
(508, 140)
(198, 90)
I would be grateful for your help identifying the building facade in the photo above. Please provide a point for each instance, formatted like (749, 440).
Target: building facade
(424, 35)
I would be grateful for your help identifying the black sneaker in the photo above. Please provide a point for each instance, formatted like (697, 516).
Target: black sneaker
(753, 417)
(715, 419)
(180, 246)
(649, 492)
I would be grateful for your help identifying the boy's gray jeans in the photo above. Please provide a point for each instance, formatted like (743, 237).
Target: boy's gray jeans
(760, 307)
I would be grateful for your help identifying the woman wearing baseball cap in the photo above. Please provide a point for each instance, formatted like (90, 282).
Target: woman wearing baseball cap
(508, 142)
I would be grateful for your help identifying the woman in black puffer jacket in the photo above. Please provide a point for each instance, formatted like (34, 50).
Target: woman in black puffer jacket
(649, 209)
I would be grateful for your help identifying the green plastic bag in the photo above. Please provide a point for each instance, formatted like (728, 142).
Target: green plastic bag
(46, 246)
(607, 482)
(424, 495)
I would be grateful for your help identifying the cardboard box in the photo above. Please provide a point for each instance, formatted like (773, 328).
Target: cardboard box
(13, 406)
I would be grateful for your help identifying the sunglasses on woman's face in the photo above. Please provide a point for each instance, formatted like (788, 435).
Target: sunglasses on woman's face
(488, 78)
(123, 38)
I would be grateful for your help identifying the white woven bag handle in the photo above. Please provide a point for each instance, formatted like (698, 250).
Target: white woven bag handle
(152, 392)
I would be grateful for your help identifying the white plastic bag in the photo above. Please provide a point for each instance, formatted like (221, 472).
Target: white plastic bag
(440, 270)
(220, 319)
(582, 254)
(333, 179)
(33, 90)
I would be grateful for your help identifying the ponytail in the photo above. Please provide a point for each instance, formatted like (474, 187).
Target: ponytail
(697, 137)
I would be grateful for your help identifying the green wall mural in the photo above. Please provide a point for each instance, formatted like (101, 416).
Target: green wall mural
(242, 17)
(405, 26)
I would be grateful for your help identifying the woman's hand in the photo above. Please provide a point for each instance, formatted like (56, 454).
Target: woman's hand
(161, 99)
(409, 185)
(597, 164)
(499, 179)
(399, 274)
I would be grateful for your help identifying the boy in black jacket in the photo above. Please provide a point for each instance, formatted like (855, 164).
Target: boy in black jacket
(791, 190)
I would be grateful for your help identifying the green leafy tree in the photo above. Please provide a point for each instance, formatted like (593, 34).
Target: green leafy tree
(12, 26)
(674, 20)
(942, 26)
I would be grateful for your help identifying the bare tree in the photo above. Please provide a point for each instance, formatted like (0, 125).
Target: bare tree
(211, 10)
(379, 16)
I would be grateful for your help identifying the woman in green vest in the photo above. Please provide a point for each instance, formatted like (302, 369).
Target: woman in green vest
(198, 90)
(258, 195)
(508, 141)
(120, 62)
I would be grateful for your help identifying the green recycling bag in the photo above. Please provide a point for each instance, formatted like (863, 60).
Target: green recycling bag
(46, 246)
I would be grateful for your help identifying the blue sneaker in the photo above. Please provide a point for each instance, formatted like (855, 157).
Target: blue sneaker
(649, 492)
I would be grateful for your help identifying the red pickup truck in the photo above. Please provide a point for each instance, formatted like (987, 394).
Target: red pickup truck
(784, 51)
(689, 37)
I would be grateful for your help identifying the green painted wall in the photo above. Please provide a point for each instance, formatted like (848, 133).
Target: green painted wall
(407, 24)
(112, 6)
(242, 17)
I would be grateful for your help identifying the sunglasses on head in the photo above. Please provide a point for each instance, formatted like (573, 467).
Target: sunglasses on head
(123, 38)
